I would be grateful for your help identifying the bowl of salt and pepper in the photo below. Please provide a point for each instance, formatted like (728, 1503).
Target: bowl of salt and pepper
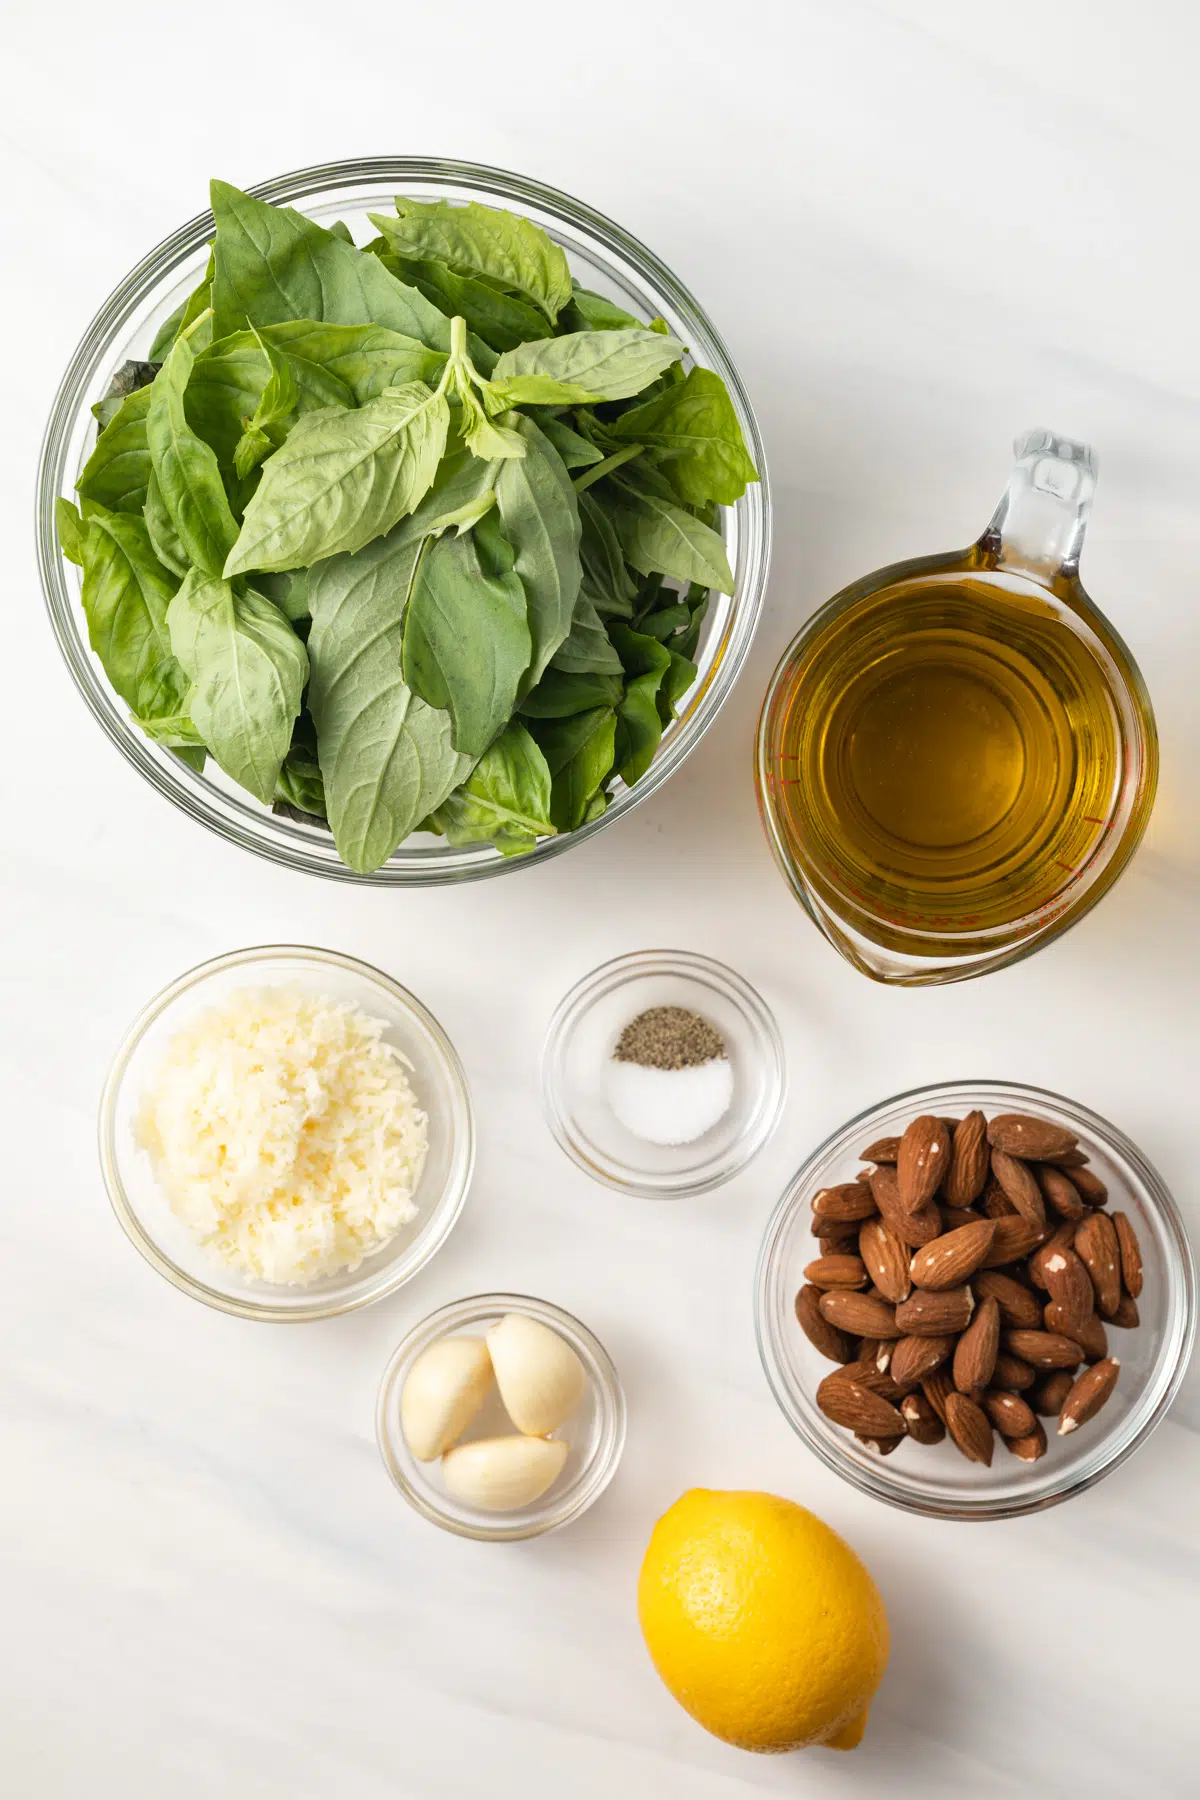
(662, 1073)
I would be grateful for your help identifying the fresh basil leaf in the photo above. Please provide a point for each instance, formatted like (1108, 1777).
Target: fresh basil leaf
(176, 731)
(116, 473)
(365, 359)
(541, 521)
(579, 755)
(606, 580)
(484, 241)
(678, 679)
(247, 668)
(167, 332)
(696, 431)
(605, 365)
(665, 621)
(500, 319)
(300, 789)
(164, 538)
(592, 312)
(229, 381)
(488, 439)
(658, 535)
(504, 801)
(586, 650)
(387, 759)
(343, 478)
(186, 470)
(71, 531)
(129, 378)
(272, 264)
(697, 599)
(560, 696)
(288, 590)
(466, 634)
(639, 729)
(126, 594)
(267, 427)
(576, 451)
(340, 229)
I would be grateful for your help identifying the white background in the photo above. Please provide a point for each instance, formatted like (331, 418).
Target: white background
(921, 225)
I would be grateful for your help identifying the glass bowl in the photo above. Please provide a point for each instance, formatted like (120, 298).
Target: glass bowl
(438, 1080)
(595, 1431)
(605, 258)
(579, 1046)
(937, 1480)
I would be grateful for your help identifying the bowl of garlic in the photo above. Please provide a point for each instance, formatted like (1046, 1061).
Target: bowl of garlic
(500, 1417)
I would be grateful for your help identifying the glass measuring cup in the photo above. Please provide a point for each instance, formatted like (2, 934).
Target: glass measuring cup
(957, 756)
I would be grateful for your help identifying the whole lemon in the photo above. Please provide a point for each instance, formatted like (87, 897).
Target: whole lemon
(762, 1622)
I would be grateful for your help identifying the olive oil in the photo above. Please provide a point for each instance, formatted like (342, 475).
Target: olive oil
(948, 754)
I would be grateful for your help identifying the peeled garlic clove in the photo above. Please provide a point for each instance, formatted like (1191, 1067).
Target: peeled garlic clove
(541, 1380)
(503, 1473)
(445, 1388)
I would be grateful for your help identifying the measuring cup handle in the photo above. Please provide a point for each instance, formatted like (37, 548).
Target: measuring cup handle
(1039, 524)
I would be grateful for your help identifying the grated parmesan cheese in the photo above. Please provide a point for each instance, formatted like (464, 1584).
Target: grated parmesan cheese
(285, 1134)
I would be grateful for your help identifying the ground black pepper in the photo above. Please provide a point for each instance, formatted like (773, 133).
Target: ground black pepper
(669, 1037)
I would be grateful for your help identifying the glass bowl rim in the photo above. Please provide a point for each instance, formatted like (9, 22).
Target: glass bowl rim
(1108, 1454)
(446, 1207)
(616, 972)
(452, 1317)
(258, 833)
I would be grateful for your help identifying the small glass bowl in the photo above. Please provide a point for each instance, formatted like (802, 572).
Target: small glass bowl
(937, 1480)
(438, 1080)
(579, 1046)
(595, 1430)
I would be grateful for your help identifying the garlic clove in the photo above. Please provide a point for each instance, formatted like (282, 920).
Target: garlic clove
(541, 1380)
(502, 1474)
(445, 1388)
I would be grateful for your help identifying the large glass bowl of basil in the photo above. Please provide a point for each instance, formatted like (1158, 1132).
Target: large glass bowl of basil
(660, 716)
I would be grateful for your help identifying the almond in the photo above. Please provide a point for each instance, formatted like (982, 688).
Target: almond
(955, 1216)
(949, 1260)
(1126, 1315)
(913, 1229)
(877, 1351)
(1096, 1243)
(1013, 1374)
(1015, 1238)
(1012, 1416)
(820, 1333)
(924, 1425)
(883, 1150)
(1090, 1186)
(967, 1175)
(1018, 1304)
(1044, 1349)
(1062, 1238)
(927, 1314)
(1020, 1186)
(1067, 1159)
(869, 1375)
(859, 1314)
(1030, 1448)
(845, 1244)
(1069, 1285)
(841, 1271)
(913, 1358)
(922, 1161)
(1050, 1392)
(1130, 1254)
(851, 1404)
(970, 1428)
(1060, 1192)
(851, 1201)
(1088, 1333)
(937, 1389)
(1088, 1394)
(886, 1260)
(977, 1349)
(995, 1202)
(881, 1446)
(1036, 1140)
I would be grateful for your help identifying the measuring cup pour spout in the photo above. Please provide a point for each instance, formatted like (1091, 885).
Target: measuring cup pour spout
(1038, 526)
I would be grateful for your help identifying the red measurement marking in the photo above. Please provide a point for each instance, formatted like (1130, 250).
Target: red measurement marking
(1069, 867)
(1088, 820)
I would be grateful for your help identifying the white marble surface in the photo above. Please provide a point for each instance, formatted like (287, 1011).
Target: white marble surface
(922, 226)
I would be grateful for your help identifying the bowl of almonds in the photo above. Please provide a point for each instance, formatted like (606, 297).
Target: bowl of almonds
(975, 1300)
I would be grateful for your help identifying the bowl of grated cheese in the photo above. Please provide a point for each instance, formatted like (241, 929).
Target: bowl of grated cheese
(286, 1134)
